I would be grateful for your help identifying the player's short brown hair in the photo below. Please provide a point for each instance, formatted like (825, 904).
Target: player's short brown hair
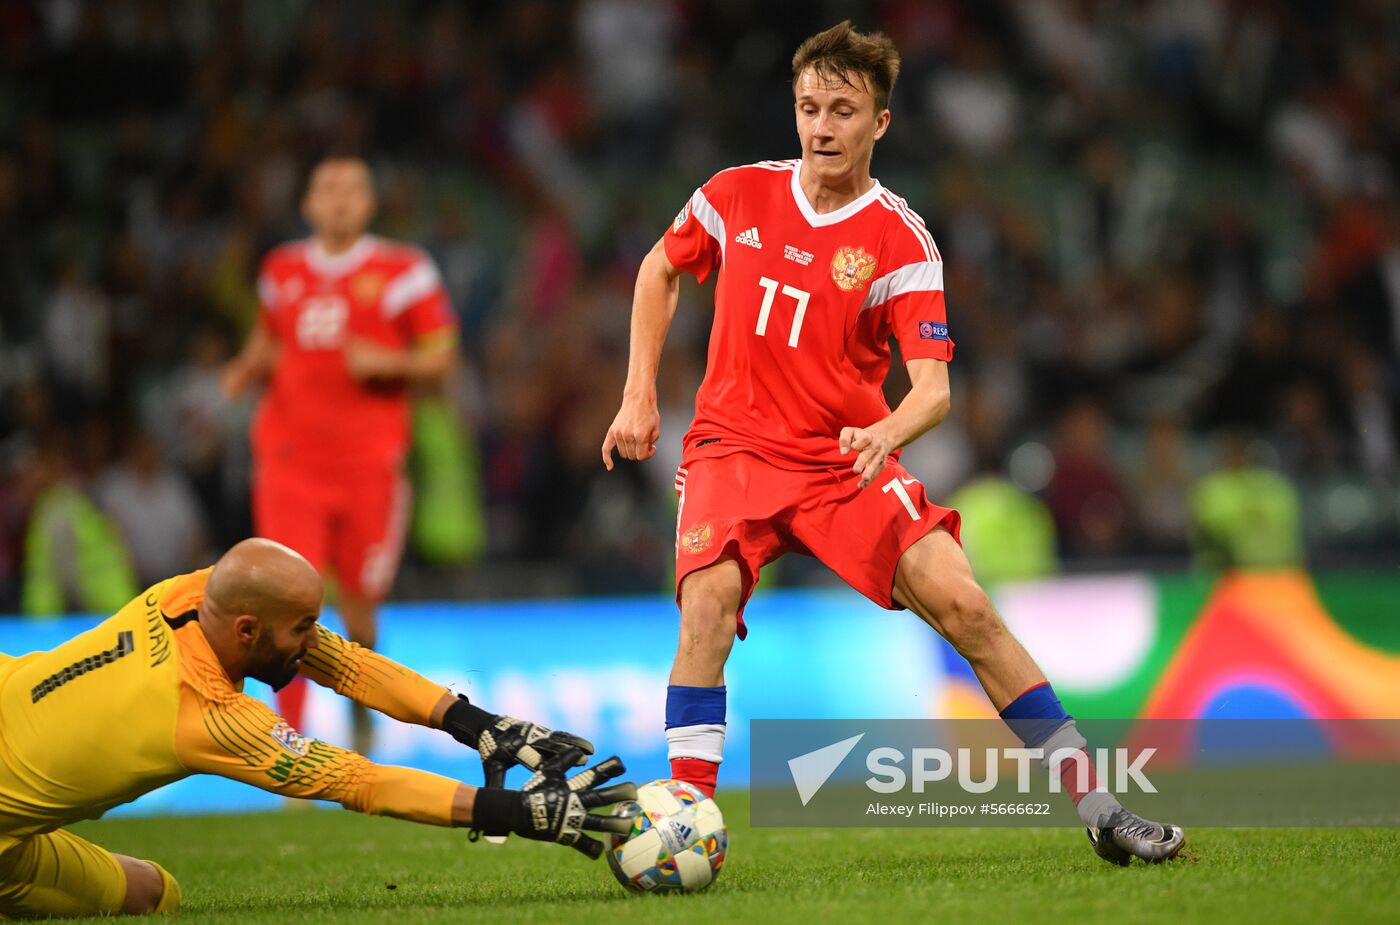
(330, 156)
(841, 51)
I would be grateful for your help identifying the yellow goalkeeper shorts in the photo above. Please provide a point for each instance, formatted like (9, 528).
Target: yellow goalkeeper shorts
(59, 873)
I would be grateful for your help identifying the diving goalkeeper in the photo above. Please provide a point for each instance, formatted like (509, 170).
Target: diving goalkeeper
(155, 694)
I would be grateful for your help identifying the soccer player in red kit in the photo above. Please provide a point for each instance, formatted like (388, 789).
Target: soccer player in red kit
(348, 324)
(793, 448)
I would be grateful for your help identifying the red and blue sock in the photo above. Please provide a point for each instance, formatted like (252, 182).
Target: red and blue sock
(1039, 720)
(695, 734)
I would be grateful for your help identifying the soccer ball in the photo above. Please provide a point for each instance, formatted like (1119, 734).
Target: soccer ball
(677, 843)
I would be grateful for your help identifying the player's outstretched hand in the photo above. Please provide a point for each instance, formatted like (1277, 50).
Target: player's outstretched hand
(237, 377)
(510, 741)
(368, 361)
(873, 447)
(554, 807)
(634, 431)
(504, 741)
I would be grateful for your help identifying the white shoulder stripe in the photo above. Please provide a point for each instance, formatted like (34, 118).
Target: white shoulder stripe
(928, 254)
(411, 286)
(775, 166)
(779, 166)
(912, 277)
(917, 225)
(709, 218)
(919, 231)
(919, 220)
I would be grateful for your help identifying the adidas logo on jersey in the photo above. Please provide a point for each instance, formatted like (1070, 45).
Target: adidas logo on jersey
(750, 238)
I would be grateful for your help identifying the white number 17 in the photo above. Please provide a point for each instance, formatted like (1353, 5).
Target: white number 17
(770, 291)
(896, 485)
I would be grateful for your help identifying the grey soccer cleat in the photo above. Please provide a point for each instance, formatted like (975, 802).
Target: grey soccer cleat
(1127, 836)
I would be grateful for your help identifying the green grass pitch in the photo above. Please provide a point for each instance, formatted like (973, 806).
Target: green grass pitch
(336, 866)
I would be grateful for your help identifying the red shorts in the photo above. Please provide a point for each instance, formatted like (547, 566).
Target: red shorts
(740, 507)
(353, 521)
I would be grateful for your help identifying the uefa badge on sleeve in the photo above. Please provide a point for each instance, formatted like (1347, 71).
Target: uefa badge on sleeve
(681, 216)
(933, 330)
(291, 740)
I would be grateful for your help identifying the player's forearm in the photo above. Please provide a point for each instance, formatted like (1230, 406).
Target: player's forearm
(440, 709)
(653, 307)
(420, 365)
(464, 805)
(250, 366)
(418, 796)
(253, 363)
(374, 681)
(407, 793)
(426, 365)
(923, 409)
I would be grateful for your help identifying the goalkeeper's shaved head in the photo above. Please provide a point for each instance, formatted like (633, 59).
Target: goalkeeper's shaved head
(260, 610)
(263, 579)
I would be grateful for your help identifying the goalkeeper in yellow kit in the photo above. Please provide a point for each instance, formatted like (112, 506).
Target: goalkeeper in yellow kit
(154, 694)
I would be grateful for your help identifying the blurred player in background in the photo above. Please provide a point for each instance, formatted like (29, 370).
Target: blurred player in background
(348, 324)
(793, 448)
(155, 694)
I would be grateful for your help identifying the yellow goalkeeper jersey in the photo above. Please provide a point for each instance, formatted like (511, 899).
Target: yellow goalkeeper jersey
(141, 700)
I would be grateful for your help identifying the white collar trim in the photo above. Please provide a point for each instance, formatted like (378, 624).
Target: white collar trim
(338, 264)
(820, 219)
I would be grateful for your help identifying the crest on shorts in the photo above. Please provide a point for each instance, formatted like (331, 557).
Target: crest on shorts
(681, 216)
(698, 538)
(852, 268)
(366, 288)
(291, 740)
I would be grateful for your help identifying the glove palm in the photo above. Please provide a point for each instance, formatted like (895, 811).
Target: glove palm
(554, 807)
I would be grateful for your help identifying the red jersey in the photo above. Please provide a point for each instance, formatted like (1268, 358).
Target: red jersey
(805, 306)
(313, 413)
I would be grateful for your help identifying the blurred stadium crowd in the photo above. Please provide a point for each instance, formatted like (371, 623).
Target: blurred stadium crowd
(1171, 228)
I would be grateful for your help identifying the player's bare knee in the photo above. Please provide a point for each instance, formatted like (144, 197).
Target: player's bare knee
(707, 623)
(145, 887)
(968, 620)
(716, 588)
(710, 607)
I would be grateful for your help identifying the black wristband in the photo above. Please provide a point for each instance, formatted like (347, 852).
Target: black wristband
(465, 721)
(497, 812)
